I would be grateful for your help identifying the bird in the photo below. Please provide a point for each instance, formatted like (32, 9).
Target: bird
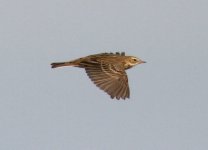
(107, 71)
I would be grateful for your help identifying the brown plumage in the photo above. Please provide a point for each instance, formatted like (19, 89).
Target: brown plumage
(107, 71)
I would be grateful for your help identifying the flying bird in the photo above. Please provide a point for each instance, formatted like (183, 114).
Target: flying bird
(107, 71)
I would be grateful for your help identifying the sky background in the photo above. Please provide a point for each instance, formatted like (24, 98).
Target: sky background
(60, 109)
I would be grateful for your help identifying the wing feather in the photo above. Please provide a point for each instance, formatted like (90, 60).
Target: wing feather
(108, 77)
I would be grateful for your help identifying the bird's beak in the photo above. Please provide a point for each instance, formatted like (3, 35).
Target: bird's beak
(143, 61)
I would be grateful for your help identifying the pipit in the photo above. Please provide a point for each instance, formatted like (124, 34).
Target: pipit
(107, 71)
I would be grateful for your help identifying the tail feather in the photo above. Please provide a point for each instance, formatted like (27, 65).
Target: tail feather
(60, 64)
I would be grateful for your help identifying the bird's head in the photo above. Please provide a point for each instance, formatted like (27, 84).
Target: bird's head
(132, 61)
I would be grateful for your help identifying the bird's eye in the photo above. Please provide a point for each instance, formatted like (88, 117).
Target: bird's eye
(134, 59)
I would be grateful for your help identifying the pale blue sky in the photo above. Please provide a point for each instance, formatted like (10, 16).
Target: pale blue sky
(45, 109)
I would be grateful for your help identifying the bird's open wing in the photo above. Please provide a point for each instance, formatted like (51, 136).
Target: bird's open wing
(109, 77)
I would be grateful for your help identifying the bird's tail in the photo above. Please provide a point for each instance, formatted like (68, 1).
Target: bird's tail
(61, 64)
